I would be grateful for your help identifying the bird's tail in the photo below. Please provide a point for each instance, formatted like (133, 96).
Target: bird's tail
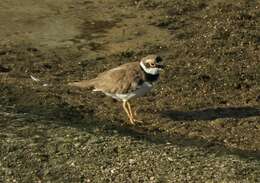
(83, 83)
(80, 84)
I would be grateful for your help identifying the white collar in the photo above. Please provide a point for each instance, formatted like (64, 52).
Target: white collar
(152, 71)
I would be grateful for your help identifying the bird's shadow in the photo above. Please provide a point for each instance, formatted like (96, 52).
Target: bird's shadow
(212, 113)
(65, 114)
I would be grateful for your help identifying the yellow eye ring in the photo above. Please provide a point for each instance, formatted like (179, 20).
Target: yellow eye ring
(152, 64)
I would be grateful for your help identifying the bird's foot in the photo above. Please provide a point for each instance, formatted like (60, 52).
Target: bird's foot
(131, 121)
(137, 121)
(134, 121)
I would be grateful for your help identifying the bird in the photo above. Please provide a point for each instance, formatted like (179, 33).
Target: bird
(126, 81)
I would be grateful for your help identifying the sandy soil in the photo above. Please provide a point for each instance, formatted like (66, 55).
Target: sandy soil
(201, 122)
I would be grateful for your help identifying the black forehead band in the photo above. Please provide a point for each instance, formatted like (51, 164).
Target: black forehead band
(158, 59)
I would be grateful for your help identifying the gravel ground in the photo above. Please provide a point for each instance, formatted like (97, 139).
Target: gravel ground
(201, 122)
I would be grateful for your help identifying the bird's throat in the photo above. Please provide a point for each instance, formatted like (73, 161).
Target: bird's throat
(148, 76)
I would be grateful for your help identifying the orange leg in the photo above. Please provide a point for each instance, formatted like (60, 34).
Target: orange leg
(129, 114)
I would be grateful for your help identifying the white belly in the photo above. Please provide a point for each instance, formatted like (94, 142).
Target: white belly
(143, 89)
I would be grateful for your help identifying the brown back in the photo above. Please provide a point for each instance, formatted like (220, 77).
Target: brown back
(122, 79)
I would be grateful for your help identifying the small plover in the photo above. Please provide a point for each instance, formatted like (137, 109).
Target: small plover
(126, 81)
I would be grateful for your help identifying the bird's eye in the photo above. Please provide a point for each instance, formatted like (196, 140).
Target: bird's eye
(152, 64)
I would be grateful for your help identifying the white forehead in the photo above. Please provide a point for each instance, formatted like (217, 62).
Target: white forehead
(149, 60)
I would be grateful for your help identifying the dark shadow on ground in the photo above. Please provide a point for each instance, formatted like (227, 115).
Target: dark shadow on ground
(158, 136)
(212, 113)
(64, 114)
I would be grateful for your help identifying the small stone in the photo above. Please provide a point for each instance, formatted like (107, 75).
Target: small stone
(170, 159)
(72, 164)
(152, 178)
(77, 144)
(131, 161)
(218, 122)
(112, 170)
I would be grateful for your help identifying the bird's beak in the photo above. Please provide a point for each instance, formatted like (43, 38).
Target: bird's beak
(160, 66)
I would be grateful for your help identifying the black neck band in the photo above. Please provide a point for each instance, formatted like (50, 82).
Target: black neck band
(150, 77)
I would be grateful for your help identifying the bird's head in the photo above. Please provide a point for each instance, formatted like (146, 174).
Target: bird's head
(152, 64)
